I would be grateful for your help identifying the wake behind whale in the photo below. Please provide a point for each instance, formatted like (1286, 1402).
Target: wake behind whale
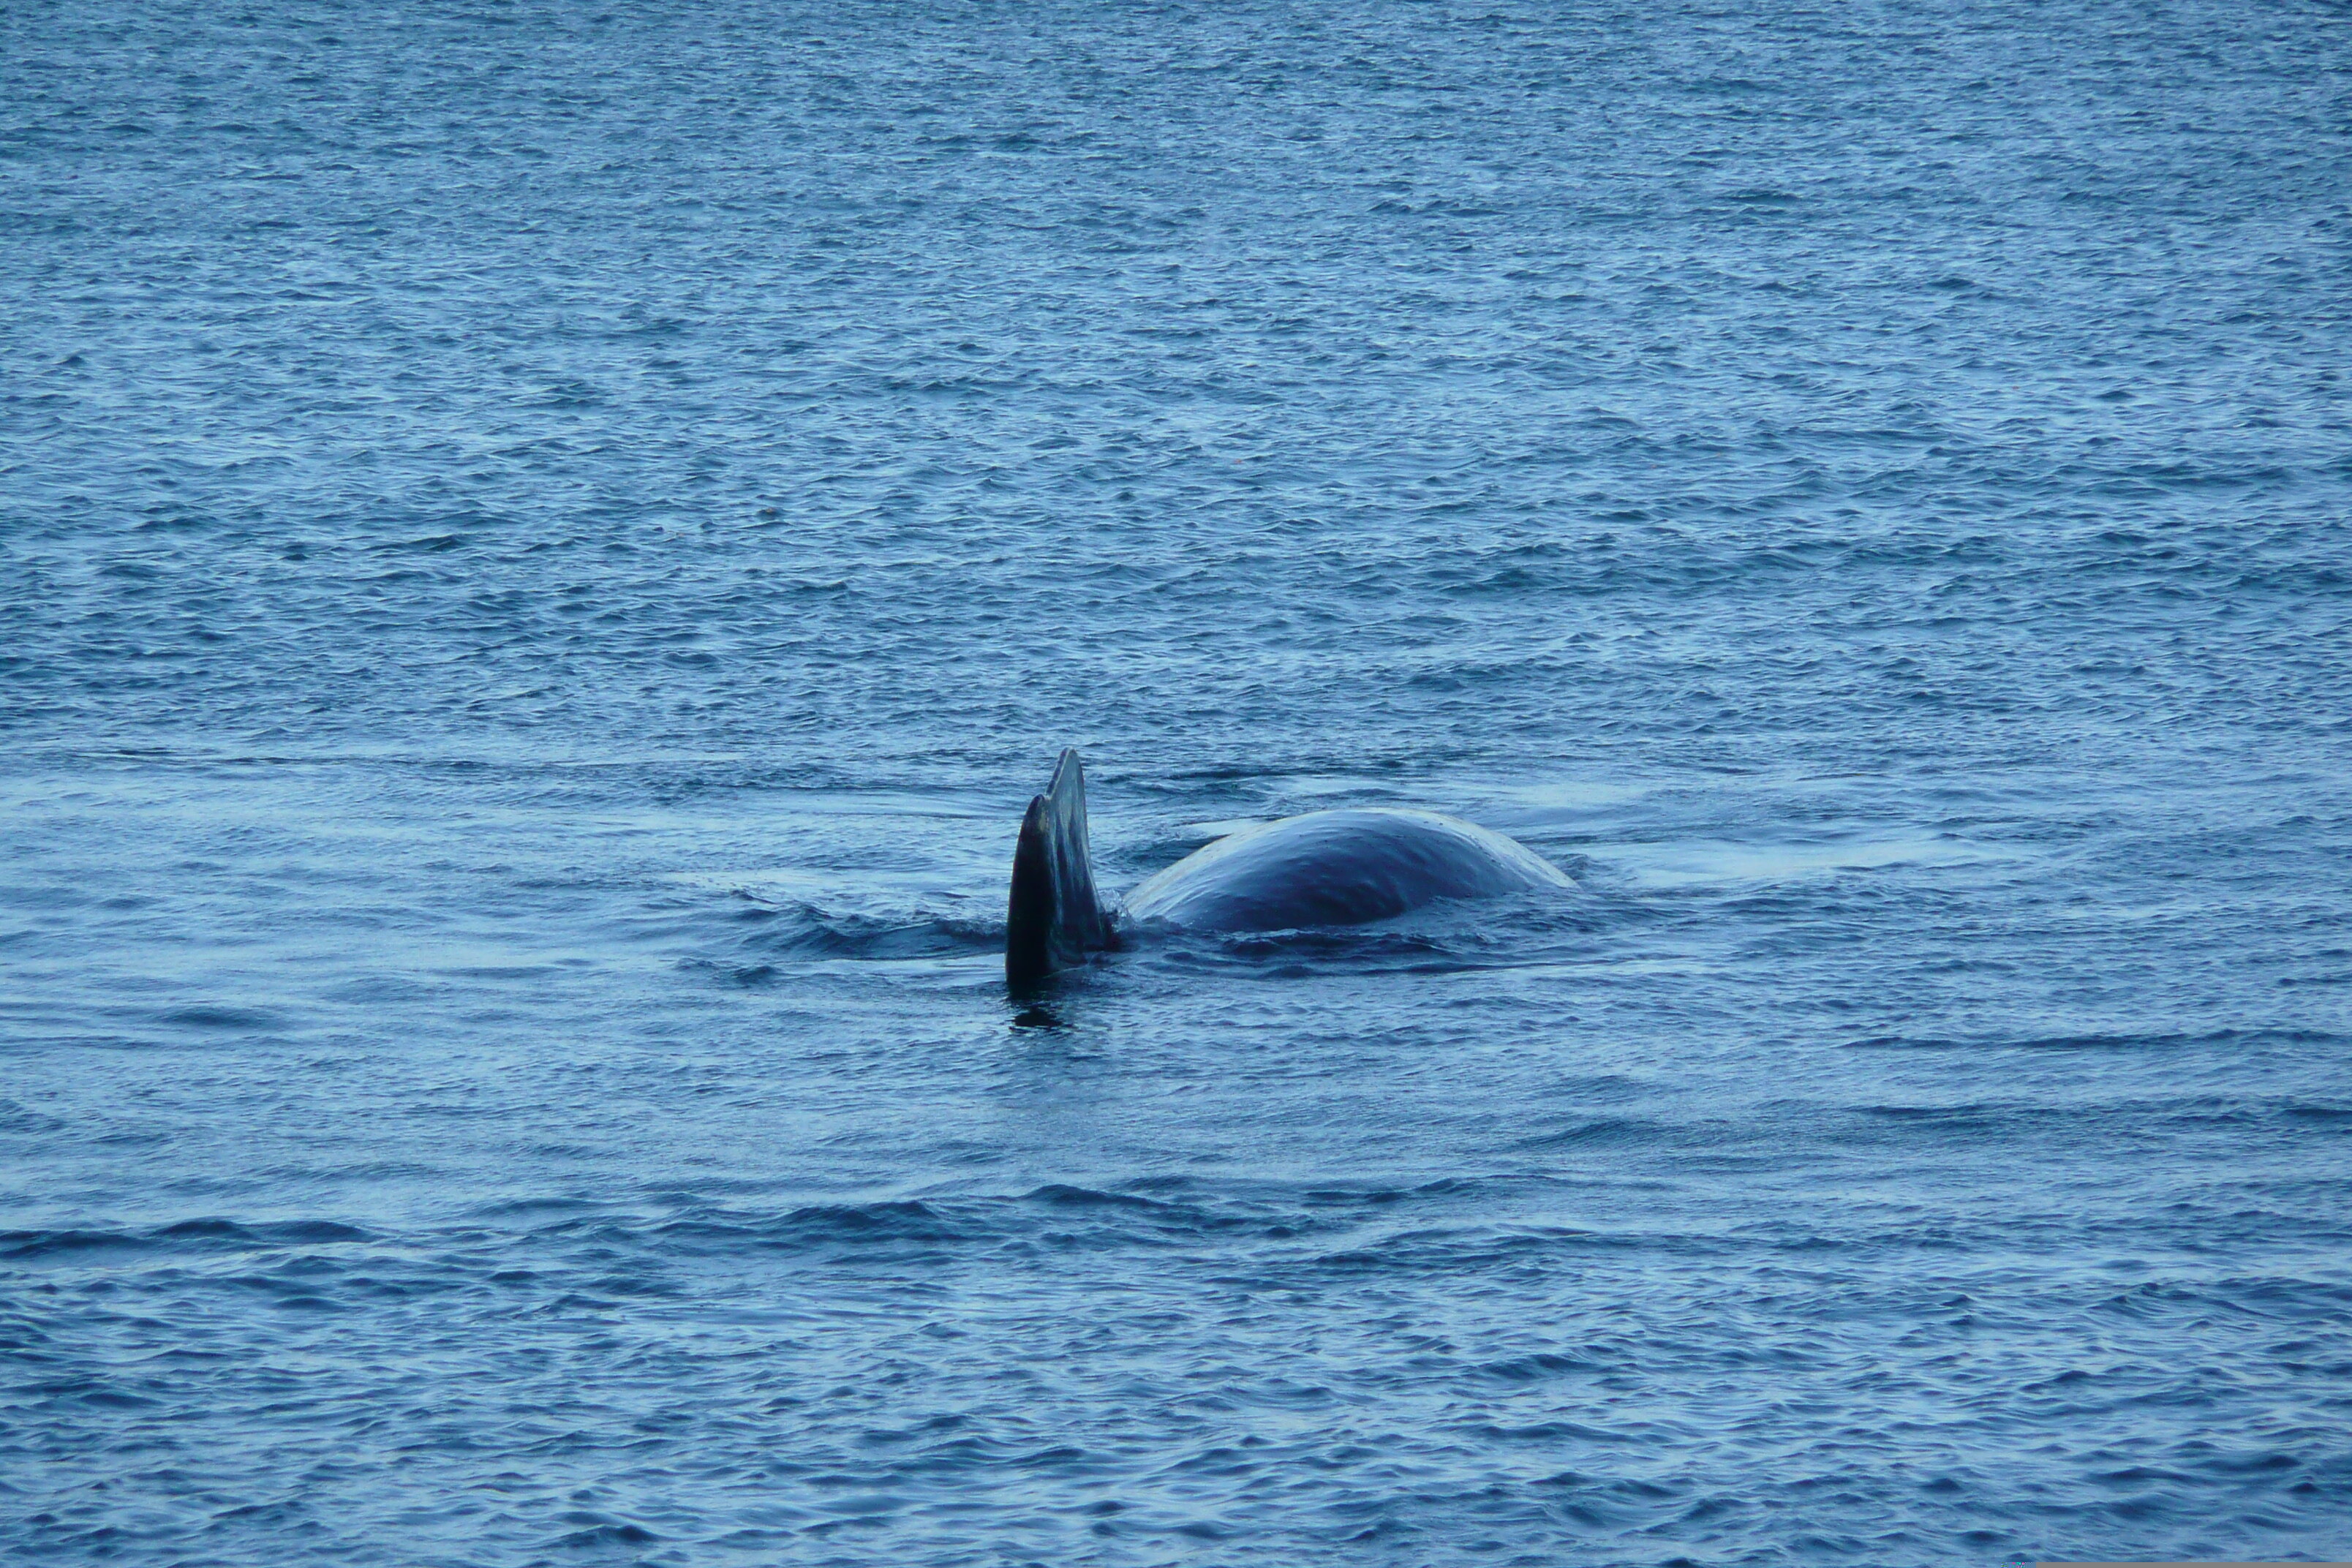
(1323, 868)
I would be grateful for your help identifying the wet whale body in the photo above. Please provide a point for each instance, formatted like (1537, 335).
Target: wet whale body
(1324, 869)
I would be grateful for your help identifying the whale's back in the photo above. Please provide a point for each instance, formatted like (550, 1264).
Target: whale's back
(1337, 868)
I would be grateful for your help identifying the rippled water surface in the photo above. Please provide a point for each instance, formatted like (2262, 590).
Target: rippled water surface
(543, 549)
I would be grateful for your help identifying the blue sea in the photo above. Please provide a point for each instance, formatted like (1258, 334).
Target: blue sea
(546, 544)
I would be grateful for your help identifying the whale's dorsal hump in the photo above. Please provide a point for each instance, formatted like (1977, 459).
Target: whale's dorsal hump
(1053, 918)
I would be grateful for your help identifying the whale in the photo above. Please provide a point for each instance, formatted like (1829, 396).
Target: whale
(1338, 868)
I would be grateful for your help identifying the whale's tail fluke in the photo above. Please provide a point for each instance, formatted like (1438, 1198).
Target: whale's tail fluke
(1053, 920)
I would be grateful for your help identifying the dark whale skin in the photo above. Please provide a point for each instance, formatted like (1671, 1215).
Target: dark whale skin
(1325, 869)
(1052, 919)
(1337, 868)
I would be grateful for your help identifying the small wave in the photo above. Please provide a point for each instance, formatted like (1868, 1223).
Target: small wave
(1610, 1131)
(2095, 1041)
(1061, 1197)
(1127, 1218)
(1446, 1250)
(34, 1244)
(18, 1118)
(215, 1234)
(1444, 939)
(209, 1015)
(807, 931)
(811, 1226)
(1540, 1365)
(429, 545)
(614, 1533)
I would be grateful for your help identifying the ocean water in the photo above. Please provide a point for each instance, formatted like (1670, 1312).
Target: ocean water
(544, 547)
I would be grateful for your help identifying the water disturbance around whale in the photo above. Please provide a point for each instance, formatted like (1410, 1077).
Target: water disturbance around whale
(1339, 867)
